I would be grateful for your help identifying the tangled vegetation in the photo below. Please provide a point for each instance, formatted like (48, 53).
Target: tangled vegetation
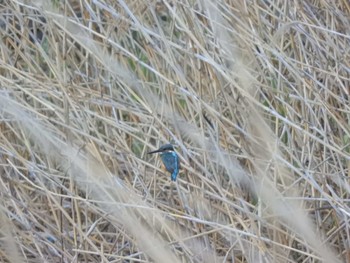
(253, 94)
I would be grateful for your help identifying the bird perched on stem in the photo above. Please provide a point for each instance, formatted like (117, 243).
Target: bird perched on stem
(170, 159)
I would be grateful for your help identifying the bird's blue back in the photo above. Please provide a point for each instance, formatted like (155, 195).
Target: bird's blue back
(171, 162)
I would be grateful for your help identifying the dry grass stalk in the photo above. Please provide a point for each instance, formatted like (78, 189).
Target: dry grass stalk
(254, 93)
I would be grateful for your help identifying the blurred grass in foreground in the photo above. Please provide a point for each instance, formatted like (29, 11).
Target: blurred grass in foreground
(255, 94)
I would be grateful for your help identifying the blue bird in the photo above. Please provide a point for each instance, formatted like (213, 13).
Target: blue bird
(170, 159)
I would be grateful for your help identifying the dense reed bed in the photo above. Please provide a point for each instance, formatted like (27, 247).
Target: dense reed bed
(254, 94)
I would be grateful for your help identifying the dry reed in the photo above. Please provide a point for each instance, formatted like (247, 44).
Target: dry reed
(255, 94)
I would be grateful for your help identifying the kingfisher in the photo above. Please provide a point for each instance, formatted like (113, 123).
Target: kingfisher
(170, 159)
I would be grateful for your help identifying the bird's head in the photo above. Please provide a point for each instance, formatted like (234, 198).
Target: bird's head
(164, 148)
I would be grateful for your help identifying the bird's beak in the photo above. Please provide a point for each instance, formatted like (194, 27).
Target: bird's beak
(156, 151)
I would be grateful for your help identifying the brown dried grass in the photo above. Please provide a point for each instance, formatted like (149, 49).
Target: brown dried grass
(254, 93)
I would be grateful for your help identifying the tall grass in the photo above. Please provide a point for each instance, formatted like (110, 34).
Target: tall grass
(254, 94)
